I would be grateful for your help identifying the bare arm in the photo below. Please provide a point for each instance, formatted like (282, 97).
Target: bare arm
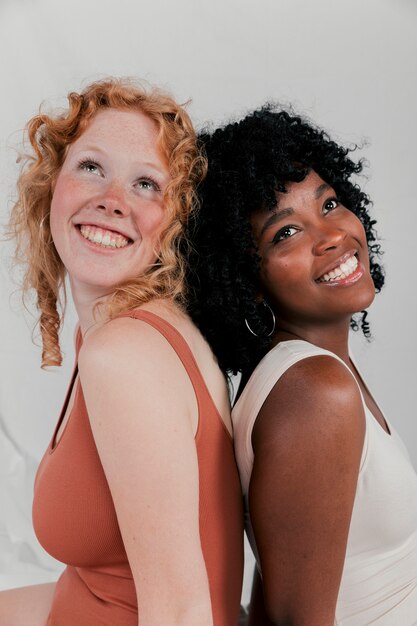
(308, 441)
(141, 406)
(26, 606)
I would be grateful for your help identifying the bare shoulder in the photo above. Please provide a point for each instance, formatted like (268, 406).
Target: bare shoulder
(318, 396)
(128, 364)
(143, 415)
(202, 353)
(121, 339)
(308, 440)
(129, 351)
(131, 357)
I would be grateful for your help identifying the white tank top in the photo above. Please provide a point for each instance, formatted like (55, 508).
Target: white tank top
(379, 581)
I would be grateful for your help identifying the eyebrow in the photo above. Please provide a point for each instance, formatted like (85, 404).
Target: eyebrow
(320, 190)
(280, 214)
(275, 217)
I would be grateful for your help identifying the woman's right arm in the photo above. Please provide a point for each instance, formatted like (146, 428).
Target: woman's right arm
(308, 440)
(26, 606)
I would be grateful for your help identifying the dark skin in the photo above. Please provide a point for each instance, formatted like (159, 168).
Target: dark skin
(257, 615)
(308, 436)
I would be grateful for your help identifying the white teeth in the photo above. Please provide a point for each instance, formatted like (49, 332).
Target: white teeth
(105, 238)
(344, 270)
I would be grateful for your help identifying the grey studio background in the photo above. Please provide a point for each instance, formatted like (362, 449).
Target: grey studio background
(350, 65)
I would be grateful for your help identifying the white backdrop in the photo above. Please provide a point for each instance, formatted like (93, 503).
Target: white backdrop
(349, 64)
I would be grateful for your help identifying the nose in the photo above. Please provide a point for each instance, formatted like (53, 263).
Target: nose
(113, 202)
(328, 237)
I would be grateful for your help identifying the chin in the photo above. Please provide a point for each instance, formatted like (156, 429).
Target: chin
(368, 297)
(361, 307)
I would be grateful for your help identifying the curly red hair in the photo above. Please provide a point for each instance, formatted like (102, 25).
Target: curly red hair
(49, 136)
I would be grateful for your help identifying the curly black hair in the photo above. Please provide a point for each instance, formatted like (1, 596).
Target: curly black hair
(249, 162)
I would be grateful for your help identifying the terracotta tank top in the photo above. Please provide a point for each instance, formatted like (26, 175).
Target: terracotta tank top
(75, 520)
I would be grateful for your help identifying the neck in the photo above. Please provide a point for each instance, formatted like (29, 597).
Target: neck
(90, 305)
(332, 337)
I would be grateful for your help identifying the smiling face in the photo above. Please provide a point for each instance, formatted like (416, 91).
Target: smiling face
(314, 257)
(107, 210)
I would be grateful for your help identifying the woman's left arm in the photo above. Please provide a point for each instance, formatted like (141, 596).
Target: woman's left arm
(26, 606)
(141, 406)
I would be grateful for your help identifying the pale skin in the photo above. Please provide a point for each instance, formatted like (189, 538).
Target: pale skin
(308, 436)
(155, 457)
(26, 606)
(140, 401)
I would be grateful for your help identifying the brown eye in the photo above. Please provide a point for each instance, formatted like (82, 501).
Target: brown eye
(330, 205)
(284, 233)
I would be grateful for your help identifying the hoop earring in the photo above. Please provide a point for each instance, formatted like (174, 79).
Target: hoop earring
(265, 303)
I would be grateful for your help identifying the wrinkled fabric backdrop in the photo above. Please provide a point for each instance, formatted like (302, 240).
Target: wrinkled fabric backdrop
(349, 65)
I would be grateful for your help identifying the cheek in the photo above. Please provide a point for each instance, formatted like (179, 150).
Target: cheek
(274, 280)
(286, 283)
(284, 273)
(60, 208)
(150, 220)
(358, 232)
(64, 189)
(357, 229)
(54, 217)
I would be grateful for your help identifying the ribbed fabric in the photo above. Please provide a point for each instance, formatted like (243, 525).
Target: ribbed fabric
(75, 520)
(379, 581)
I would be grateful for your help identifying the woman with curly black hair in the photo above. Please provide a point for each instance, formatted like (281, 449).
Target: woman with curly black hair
(285, 257)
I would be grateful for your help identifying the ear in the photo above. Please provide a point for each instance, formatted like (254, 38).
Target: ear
(259, 291)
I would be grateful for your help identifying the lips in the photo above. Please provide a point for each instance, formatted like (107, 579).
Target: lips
(103, 237)
(340, 268)
(344, 269)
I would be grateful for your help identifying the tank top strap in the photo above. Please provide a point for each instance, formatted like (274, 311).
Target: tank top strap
(268, 371)
(182, 349)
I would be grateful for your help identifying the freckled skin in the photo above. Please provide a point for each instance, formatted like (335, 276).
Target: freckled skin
(105, 181)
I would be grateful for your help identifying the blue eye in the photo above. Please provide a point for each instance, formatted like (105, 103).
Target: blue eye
(148, 184)
(88, 165)
(284, 233)
(330, 204)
